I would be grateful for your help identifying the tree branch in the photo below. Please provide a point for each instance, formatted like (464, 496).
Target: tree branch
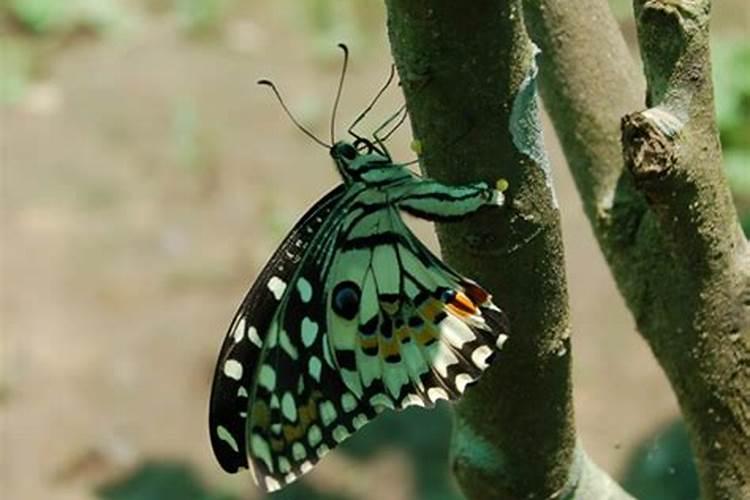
(668, 227)
(468, 76)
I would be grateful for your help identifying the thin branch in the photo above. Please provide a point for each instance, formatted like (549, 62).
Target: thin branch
(468, 75)
(665, 223)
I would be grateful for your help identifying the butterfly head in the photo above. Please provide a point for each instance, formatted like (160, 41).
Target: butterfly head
(353, 159)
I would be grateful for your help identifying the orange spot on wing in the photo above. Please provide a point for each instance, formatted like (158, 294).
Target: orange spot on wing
(462, 305)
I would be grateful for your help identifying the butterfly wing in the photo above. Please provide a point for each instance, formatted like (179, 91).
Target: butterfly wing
(421, 332)
(359, 317)
(237, 366)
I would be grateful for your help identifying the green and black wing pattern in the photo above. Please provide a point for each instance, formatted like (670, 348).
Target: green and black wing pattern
(352, 315)
(237, 367)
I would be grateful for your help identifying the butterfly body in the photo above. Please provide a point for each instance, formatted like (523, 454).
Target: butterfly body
(352, 315)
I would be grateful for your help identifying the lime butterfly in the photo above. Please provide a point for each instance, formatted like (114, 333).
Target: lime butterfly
(351, 315)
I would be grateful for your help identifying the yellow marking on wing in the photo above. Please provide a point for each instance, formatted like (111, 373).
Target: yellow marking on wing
(277, 444)
(402, 333)
(261, 416)
(426, 334)
(293, 432)
(368, 342)
(389, 347)
(431, 309)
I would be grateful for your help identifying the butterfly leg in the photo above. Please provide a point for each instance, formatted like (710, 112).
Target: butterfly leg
(432, 200)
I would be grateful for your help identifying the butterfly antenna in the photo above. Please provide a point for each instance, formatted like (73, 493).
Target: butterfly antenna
(338, 91)
(270, 84)
(374, 100)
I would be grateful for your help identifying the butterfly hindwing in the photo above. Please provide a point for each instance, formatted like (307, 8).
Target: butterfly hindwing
(236, 369)
(421, 332)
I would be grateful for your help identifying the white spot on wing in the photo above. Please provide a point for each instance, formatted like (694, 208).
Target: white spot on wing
(305, 467)
(436, 394)
(412, 400)
(272, 484)
(233, 369)
(501, 340)
(480, 355)
(277, 287)
(443, 359)
(455, 331)
(252, 334)
(462, 380)
(226, 436)
(239, 330)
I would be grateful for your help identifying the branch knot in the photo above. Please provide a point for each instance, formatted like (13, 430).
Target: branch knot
(649, 145)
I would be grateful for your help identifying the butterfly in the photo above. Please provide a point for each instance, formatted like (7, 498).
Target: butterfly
(351, 315)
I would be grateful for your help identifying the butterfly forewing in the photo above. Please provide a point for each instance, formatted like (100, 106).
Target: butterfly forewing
(236, 369)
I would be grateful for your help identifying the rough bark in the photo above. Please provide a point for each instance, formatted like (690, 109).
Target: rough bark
(468, 76)
(660, 205)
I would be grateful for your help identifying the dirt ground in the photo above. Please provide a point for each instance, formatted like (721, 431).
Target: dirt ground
(145, 180)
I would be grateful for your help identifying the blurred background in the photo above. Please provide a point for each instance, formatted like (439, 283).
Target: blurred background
(146, 179)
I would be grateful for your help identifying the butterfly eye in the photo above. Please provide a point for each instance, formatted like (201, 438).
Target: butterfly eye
(347, 151)
(345, 301)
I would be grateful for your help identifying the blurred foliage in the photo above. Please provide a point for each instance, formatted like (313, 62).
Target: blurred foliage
(160, 481)
(662, 467)
(731, 72)
(44, 17)
(330, 21)
(202, 17)
(16, 65)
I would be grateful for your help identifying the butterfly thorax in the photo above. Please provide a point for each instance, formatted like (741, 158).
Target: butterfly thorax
(363, 162)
